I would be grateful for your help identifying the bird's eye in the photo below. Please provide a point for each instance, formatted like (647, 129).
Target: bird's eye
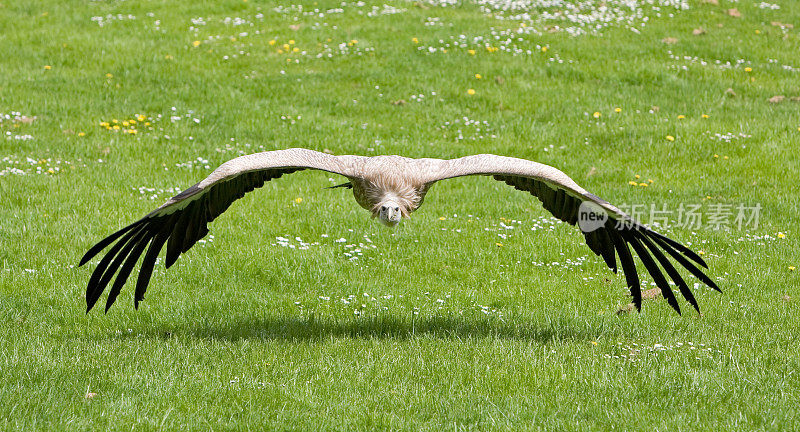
(397, 209)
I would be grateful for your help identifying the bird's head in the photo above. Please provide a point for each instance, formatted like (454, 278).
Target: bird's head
(390, 212)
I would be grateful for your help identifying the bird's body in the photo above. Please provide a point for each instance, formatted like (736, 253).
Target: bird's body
(387, 178)
(391, 188)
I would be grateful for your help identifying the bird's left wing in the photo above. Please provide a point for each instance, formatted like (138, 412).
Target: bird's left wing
(183, 219)
(566, 200)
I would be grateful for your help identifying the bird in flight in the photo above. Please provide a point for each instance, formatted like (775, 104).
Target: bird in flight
(391, 188)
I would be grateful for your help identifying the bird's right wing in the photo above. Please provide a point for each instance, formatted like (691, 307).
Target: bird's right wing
(183, 219)
(567, 201)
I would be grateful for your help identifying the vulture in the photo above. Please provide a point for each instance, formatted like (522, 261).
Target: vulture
(391, 188)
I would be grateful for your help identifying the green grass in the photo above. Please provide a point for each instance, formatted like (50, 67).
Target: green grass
(433, 328)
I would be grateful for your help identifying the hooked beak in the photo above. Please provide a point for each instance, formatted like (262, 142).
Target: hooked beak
(390, 214)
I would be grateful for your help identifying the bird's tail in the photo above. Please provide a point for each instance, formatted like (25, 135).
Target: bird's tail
(347, 185)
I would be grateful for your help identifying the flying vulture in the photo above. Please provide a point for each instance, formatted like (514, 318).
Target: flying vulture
(391, 188)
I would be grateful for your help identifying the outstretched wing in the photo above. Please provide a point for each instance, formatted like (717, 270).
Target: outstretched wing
(184, 218)
(567, 201)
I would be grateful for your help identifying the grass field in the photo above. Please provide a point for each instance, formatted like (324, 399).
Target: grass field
(299, 312)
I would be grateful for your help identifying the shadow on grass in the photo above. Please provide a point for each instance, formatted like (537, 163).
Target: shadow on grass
(310, 329)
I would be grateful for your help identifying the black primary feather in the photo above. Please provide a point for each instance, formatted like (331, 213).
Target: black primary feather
(652, 268)
(671, 271)
(628, 268)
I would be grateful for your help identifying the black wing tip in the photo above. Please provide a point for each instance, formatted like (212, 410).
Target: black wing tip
(170, 261)
(90, 305)
(86, 258)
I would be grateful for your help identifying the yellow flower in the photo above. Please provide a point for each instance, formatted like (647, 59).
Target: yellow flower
(478, 76)
(280, 51)
(147, 123)
(632, 183)
(471, 92)
(108, 75)
(758, 31)
(291, 41)
(643, 184)
(748, 69)
(716, 156)
(681, 117)
(81, 133)
(544, 49)
(650, 180)
(133, 131)
(705, 116)
(141, 117)
(522, 24)
(594, 343)
(125, 123)
(168, 57)
(442, 218)
(618, 110)
(298, 200)
(471, 52)
(286, 47)
(295, 49)
(273, 42)
(670, 138)
(104, 124)
(196, 43)
(791, 268)
(498, 244)
(596, 114)
(51, 171)
(415, 40)
(354, 41)
(636, 176)
(47, 67)
(701, 252)
(781, 235)
(116, 127)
